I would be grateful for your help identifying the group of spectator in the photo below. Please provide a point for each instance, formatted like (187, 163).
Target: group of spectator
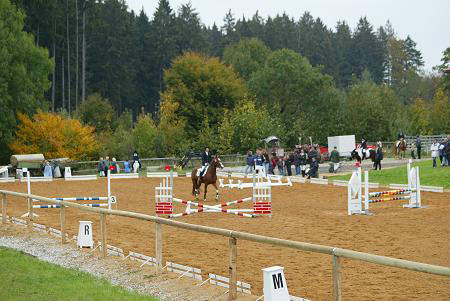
(51, 169)
(114, 167)
(305, 159)
(441, 150)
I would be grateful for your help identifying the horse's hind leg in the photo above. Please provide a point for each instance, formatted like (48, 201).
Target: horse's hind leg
(217, 191)
(206, 190)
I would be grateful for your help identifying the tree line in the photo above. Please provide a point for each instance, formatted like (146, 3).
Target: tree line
(290, 77)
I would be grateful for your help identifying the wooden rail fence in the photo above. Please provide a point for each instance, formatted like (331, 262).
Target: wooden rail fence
(335, 253)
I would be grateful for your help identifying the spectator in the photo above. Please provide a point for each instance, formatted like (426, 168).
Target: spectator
(250, 162)
(447, 150)
(126, 167)
(313, 168)
(418, 146)
(100, 167)
(312, 154)
(303, 160)
(378, 156)
(47, 170)
(434, 151)
(106, 165)
(274, 164)
(259, 159)
(334, 159)
(113, 166)
(297, 162)
(442, 156)
(288, 159)
(280, 165)
(266, 161)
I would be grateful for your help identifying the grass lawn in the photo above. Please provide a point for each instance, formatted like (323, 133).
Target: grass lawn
(24, 277)
(429, 176)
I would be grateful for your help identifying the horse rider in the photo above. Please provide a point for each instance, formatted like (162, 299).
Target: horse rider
(136, 162)
(400, 138)
(364, 148)
(206, 160)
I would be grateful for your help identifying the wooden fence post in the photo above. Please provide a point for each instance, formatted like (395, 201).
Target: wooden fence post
(158, 247)
(337, 294)
(62, 216)
(103, 234)
(232, 294)
(4, 202)
(30, 214)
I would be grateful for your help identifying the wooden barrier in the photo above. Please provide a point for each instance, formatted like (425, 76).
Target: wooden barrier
(337, 253)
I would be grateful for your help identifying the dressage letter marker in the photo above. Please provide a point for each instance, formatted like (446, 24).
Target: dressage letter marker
(84, 238)
(275, 287)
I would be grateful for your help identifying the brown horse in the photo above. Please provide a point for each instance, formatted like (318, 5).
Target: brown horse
(208, 178)
(400, 148)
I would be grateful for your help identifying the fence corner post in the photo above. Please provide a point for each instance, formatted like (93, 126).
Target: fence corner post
(158, 247)
(30, 214)
(337, 293)
(103, 234)
(4, 203)
(62, 216)
(232, 294)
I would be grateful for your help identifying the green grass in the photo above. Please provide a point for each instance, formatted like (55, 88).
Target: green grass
(24, 277)
(429, 176)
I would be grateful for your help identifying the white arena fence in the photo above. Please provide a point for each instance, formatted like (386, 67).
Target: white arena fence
(233, 236)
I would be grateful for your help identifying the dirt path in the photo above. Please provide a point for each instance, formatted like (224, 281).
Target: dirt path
(304, 212)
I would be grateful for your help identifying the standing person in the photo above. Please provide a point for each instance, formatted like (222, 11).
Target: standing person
(250, 162)
(297, 162)
(378, 156)
(434, 151)
(418, 146)
(113, 165)
(303, 158)
(100, 167)
(447, 150)
(48, 173)
(442, 156)
(288, 159)
(106, 166)
(274, 163)
(266, 161)
(280, 165)
(334, 159)
(312, 154)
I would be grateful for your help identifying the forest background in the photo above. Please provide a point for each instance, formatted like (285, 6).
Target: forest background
(84, 78)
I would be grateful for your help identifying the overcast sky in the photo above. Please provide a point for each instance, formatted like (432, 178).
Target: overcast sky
(426, 21)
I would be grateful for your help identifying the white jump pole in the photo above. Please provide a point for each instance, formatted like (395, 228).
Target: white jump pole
(109, 189)
(366, 191)
(418, 199)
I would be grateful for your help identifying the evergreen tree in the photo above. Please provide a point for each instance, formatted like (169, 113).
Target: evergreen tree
(189, 30)
(164, 38)
(413, 56)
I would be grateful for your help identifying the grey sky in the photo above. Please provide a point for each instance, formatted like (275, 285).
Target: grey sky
(426, 21)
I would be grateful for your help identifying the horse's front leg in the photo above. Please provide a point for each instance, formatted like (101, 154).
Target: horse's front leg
(206, 190)
(217, 191)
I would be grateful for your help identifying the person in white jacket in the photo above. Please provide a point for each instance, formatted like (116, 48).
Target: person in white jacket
(434, 151)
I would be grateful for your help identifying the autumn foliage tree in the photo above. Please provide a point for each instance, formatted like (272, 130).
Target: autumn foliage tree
(54, 136)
